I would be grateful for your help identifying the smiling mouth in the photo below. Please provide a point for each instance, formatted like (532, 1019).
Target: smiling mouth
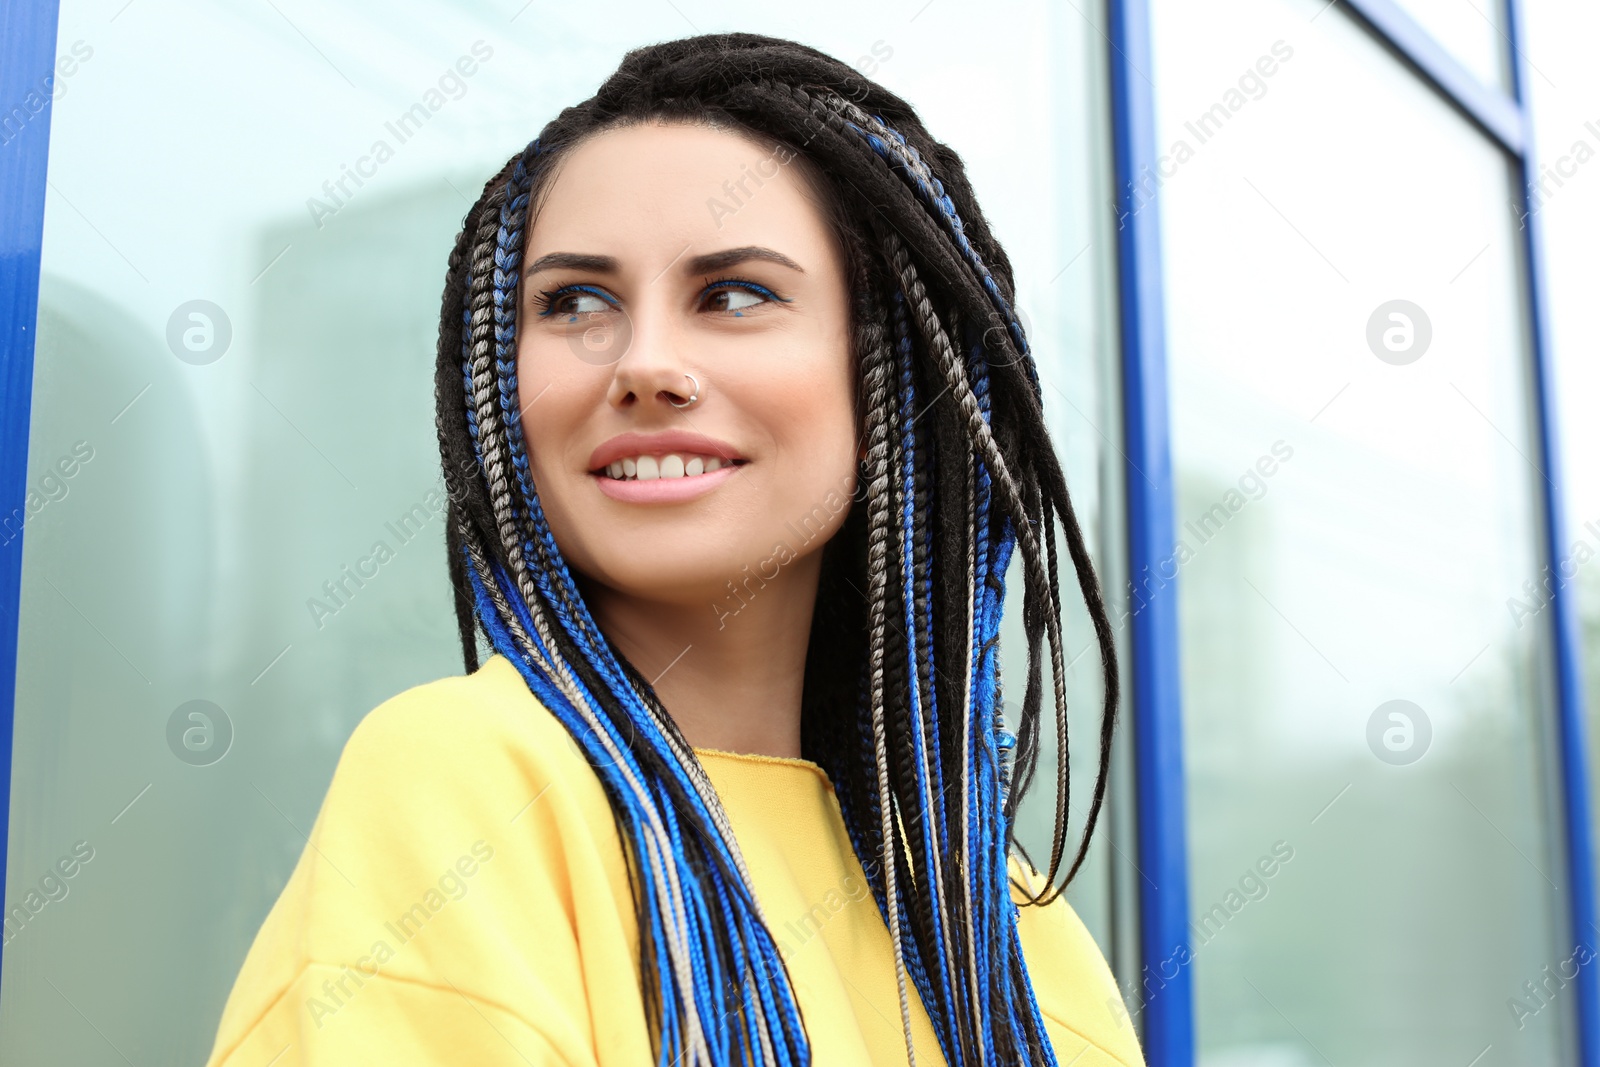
(648, 468)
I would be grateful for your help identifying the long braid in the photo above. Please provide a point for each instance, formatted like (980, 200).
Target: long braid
(451, 410)
(921, 733)
(893, 147)
(901, 703)
(1012, 497)
(876, 373)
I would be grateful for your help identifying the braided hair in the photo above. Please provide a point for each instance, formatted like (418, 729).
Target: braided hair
(901, 701)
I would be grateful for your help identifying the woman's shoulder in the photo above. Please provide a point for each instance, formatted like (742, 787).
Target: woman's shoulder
(1072, 982)
(471, 749)
(461, 712)
(438, 889)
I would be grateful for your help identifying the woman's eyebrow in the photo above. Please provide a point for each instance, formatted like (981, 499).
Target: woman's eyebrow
(573, 261)
(708, 263)
(715, 261)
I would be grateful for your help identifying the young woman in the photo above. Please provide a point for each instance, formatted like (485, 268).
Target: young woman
(740, 432)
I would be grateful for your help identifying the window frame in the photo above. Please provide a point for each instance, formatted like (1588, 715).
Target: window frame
(1168, 1022)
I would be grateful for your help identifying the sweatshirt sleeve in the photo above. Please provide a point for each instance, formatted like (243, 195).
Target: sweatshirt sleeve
(1083, 1010)
(432, 917)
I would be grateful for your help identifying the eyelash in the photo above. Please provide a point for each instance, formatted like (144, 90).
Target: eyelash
(545, 298)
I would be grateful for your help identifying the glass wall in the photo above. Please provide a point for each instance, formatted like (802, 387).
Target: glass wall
(233, 405)
(1375, 870)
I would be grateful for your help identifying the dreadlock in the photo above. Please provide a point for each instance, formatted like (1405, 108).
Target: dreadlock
(901, 700)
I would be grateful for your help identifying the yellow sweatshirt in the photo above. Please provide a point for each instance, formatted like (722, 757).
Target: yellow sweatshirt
(463, 899)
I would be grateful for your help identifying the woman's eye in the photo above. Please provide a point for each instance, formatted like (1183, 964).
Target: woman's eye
(572, 302)
(735, 297)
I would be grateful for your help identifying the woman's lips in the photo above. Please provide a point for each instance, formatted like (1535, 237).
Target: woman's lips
(662, 490)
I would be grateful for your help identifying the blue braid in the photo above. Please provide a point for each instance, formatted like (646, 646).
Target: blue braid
(611, 771)
(466, 374)
(947, 209)
(1005, 1007)
(900, 489)
(978, 823)
(931, 191)
(990, 606)
(989, 609)
(918, 637)
(939, 995)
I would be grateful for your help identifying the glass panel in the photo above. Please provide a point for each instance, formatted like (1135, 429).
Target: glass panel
(1375, 851)
(233, 407)
(1474, 31)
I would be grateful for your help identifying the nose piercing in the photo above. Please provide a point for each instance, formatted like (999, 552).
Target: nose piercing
(694, 397)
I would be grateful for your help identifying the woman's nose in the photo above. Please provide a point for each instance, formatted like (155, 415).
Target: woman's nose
(652, 367)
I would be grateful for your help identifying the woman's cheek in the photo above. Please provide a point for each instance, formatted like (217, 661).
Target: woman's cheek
(549, 428)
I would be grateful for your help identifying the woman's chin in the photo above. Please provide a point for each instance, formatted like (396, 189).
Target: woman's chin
(702, 584)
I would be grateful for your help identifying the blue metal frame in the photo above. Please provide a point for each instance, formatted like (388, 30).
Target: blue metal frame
(1164, 952)
(27, 56)
(1493, 111)
(1571, 729)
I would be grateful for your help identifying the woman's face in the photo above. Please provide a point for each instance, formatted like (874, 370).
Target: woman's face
(660, 252)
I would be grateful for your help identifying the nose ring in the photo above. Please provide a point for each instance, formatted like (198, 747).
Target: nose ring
(694, 396)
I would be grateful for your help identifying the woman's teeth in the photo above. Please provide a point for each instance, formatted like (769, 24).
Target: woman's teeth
(671, 465)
